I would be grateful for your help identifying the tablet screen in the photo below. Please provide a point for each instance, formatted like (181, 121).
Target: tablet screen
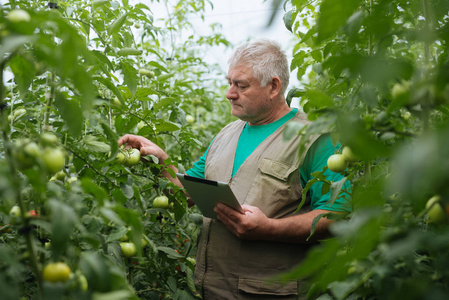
(207, 193)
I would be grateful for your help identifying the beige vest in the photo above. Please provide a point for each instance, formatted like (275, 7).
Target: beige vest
(232, 268)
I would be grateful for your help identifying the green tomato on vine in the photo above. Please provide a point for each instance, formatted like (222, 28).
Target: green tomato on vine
(337, 163)
(132, 157)
(128, 249)
(161, 202)
(18, 16)
(54, 159)
(348, 155)
(56, 272)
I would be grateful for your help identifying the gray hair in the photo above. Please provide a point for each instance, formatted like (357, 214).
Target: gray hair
(267, 60)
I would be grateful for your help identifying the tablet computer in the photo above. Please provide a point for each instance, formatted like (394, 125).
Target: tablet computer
(207, 193)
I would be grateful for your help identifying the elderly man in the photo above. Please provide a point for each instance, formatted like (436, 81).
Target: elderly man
(238, 254)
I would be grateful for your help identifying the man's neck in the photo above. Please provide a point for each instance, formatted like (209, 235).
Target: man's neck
(272, 117)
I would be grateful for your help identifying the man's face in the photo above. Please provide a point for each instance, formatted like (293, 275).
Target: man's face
(250, 102)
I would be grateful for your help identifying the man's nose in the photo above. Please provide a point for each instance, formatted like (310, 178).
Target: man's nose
(232, 93)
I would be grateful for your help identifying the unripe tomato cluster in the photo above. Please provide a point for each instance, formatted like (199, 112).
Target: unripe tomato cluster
(145, 72)
(47, 153)
(339, 162)
(128, 157)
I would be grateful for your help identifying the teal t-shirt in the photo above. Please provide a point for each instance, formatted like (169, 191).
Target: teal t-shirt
(315, 160)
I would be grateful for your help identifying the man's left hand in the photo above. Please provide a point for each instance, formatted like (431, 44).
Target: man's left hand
(253, 224)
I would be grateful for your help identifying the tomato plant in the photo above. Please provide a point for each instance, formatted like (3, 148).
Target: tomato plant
(75, 76)
(374, 76)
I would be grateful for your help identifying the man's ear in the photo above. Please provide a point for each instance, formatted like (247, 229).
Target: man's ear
(275, 86)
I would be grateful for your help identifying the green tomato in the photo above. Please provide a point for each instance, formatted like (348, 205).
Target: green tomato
(15, 212)
(140, 125)
(18, 15)
(348, 155)
(337, 163)
(19, 112)
(54, 159)
(123, 238)
(191, 260)
(161, 202)
(120, 157)
(26, 154)
(116, 102)
(190, 119)
(72, 179)
(82, 280)
(56, 272)
(32, 149)
(128, 249)
(401, 91)
(148, 73)
(49, 139)
(133, 157)
(435, 210)
(47, 245)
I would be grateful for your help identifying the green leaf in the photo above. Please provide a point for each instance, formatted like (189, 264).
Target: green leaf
(314, 224)
(91, 188)
(336, 188)
(110, 85)
(114, 295)
(96, 270)
(24, 72)
(167, 126)
(359, 139)
(111, 216)
(63, 220)
(164, 102)
(103, 59)
(112, 139)
(127, 190)
(11, 43)
(119, 196)
(294, 92)
(170, 252)
(130, 77)
(116, 234)
(71, 112)
(159, 66)
(128, 51)
(288, 20)
(94, 145)
(334, 14)
(318, 99)
(117, 24)
(98, 3)
(291, 130)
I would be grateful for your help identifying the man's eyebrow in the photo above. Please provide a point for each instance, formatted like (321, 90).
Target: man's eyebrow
(237, 80)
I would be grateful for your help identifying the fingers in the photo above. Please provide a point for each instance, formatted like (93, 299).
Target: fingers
(125, 139)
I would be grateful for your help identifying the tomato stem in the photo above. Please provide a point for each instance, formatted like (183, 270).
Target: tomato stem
(49, 103)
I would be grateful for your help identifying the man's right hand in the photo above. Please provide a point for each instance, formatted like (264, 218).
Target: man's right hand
(145, 146)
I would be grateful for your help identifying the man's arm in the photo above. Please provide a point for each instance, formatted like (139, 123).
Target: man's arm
(255, 225)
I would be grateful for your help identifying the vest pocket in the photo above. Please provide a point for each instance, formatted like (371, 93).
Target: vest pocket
(265, 287)
(276, 168)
